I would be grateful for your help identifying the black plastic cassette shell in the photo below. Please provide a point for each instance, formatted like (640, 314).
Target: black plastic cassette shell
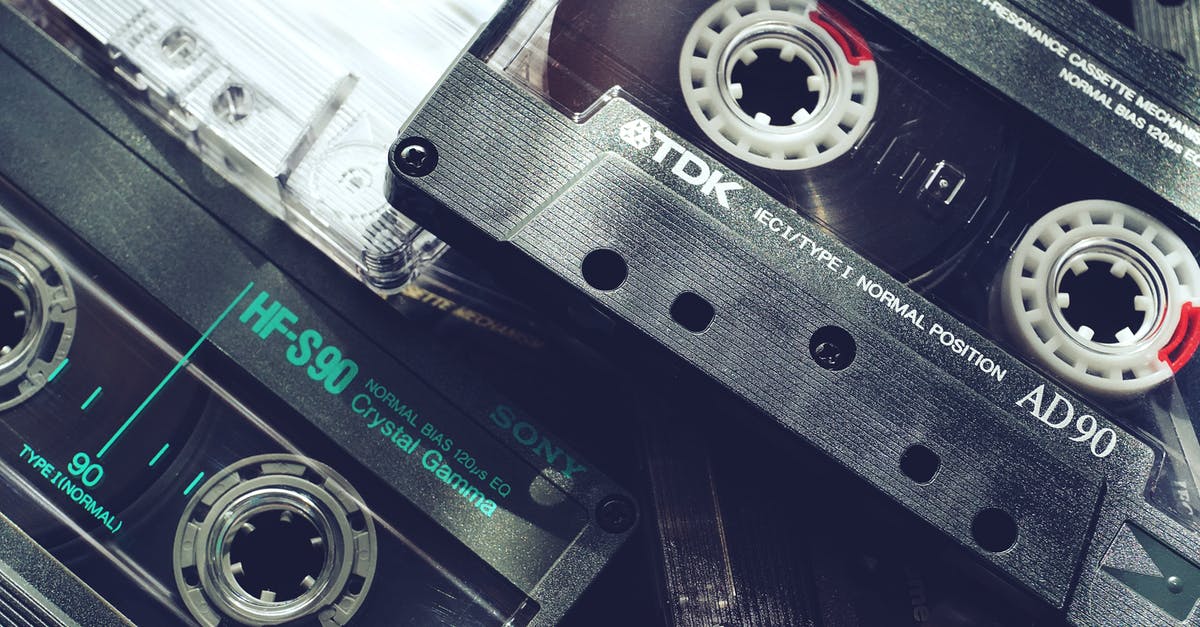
(132, 174)
(38, 589)
(976, 39)
(548, 191)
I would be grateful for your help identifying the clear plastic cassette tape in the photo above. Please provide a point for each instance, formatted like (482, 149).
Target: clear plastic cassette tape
(294, 104)
(194, 434)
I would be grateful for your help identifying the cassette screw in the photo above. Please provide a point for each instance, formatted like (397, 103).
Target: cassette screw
(827, 354)
(1175, 584)
(414, 156)
(179, 47)
(833, 348)
(233, 104)
(616, 514)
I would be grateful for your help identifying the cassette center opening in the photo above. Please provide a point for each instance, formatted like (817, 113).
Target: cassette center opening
(19, 315)
(1108, 294)
(276, 547)
(272, 539)
(777, 77)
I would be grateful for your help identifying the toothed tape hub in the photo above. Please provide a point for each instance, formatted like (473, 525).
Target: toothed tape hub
(42, 302)
(294, 490)
(1099, 236)
(736, 32)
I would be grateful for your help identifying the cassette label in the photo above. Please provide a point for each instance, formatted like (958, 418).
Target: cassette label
(457, 471)
(816, 253)
(201, 437)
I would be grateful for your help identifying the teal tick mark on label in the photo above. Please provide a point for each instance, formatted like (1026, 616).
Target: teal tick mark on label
(193, 484)
(159, 454)
(178, 366)
(58, 370)
(91, 399)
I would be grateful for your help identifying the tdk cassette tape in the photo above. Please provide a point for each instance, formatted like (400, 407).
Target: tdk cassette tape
(950, 244)
(880, 312)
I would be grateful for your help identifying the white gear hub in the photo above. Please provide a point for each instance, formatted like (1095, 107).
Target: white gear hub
(1137, 249)
(845, 81)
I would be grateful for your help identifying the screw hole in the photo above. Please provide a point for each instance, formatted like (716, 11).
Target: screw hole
(179, 47)
(833, 348)
(920, 464)
(994, 530)
(692, 312)
(616, 514)
(233, 104)
(604, 269)
(414, 156)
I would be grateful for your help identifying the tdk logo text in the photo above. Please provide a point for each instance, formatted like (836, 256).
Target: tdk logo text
(637, 133)
(689, 167)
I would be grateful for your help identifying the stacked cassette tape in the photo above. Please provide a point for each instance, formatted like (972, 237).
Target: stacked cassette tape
(951, 244)
(294, 107)
(200, 436)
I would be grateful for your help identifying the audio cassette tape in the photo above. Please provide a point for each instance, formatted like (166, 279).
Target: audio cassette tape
(950, 244)
(203, 423)
(292, 106)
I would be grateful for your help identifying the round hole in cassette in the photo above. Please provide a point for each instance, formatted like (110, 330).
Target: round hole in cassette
(994, 530)
(781, 84)
(236, 530)
(1100, 292)
(604, 269)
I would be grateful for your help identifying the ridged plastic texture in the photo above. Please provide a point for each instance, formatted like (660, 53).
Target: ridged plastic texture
(294, 103)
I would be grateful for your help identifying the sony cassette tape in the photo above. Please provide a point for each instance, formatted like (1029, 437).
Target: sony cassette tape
(191, 434)
(951, 244)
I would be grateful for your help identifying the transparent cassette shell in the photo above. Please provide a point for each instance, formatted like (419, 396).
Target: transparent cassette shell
(295, 104)
(200, 511)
